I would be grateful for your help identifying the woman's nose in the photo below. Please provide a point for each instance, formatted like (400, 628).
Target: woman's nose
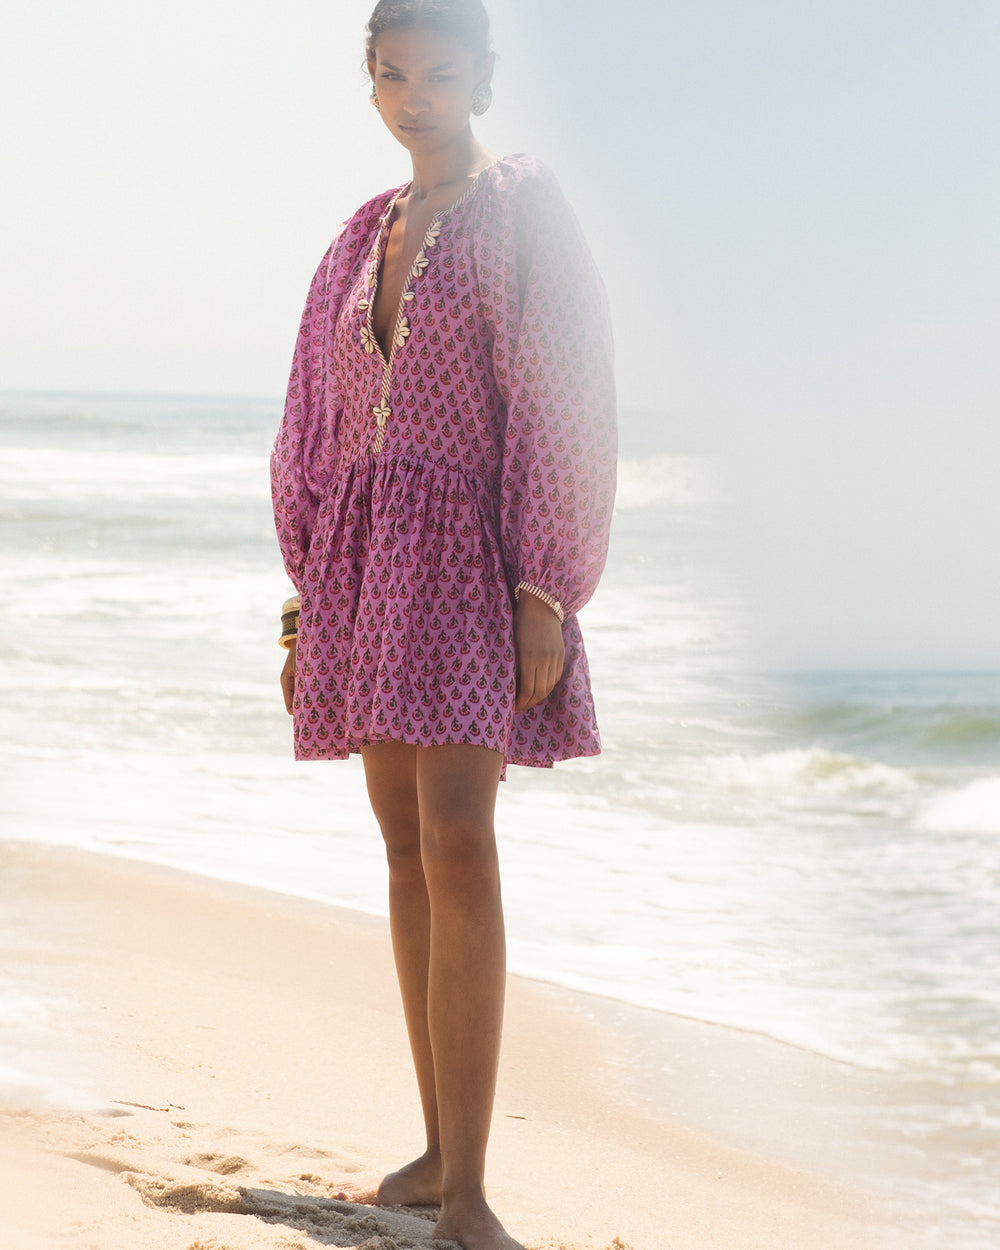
(415, 101)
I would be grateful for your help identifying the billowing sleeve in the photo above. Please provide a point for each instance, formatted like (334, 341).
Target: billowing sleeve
(553, 361)
(307, 407)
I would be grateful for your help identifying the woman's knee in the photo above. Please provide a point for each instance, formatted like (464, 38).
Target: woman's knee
(402, 844)
(399, 824)
(390, 775)
(459, 855)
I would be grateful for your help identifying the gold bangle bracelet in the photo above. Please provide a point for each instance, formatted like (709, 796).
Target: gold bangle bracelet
(545, 597)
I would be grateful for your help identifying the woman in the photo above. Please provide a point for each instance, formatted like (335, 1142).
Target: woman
(443, 481)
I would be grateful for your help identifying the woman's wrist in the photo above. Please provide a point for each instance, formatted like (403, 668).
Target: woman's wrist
(542, 596)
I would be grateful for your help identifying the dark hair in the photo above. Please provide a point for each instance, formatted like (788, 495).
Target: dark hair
(465, 19)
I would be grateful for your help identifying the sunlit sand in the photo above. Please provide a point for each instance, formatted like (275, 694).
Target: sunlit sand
(237, 1055)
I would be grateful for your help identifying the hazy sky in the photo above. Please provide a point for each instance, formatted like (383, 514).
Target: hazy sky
(795, 205)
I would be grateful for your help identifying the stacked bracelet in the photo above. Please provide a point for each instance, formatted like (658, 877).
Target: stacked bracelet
(289, 621)
(545, 597)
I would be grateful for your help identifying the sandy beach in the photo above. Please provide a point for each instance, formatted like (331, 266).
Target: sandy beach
(221, 1059)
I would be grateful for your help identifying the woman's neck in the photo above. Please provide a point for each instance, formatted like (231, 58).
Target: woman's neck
(433, 170)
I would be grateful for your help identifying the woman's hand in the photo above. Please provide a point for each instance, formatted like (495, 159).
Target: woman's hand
(538, 646)
(288, 678)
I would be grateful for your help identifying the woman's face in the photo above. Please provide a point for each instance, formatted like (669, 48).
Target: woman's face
(425, 80)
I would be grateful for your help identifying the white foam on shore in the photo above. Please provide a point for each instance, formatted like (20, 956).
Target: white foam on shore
(974, 808)
(814, 769)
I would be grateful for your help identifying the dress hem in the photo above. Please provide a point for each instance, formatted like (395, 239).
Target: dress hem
(333, 754)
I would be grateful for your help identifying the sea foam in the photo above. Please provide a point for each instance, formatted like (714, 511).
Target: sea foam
(974, 808)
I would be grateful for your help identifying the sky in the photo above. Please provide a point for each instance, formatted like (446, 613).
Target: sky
(793, 204)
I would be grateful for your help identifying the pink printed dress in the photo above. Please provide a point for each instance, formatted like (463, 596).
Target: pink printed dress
(414, 495)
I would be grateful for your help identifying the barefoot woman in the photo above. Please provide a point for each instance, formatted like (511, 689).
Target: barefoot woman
(443, 481)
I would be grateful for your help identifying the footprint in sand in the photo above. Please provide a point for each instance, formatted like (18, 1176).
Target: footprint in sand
(323, 1220)
(225, 1165)
(188, 1198)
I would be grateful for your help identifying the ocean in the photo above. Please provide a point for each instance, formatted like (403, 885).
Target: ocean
(812, 856)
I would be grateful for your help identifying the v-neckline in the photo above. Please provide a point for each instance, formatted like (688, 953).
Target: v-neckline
(417, 266)
(399, 325)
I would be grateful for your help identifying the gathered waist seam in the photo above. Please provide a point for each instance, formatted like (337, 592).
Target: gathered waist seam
(490, 481)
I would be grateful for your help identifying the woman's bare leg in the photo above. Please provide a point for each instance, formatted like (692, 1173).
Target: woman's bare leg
(456, 790)
(391, 775)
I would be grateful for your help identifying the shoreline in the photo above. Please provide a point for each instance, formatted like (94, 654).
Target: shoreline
(228, 1041)
(613, 1007)
(252, 881)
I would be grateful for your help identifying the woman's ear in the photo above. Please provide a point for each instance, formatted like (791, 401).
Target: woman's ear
(370, 61)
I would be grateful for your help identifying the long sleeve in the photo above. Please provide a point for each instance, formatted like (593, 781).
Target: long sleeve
(292, 488)
(553, 360)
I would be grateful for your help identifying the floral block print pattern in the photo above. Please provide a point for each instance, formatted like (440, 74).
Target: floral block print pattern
(415, 494)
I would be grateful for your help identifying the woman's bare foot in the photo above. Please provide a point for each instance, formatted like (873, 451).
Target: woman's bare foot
(418, 1184)
(363, 1190)
(473, 1225)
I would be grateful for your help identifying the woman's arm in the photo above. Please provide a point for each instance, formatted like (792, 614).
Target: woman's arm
(553, 361)
(294, 501)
